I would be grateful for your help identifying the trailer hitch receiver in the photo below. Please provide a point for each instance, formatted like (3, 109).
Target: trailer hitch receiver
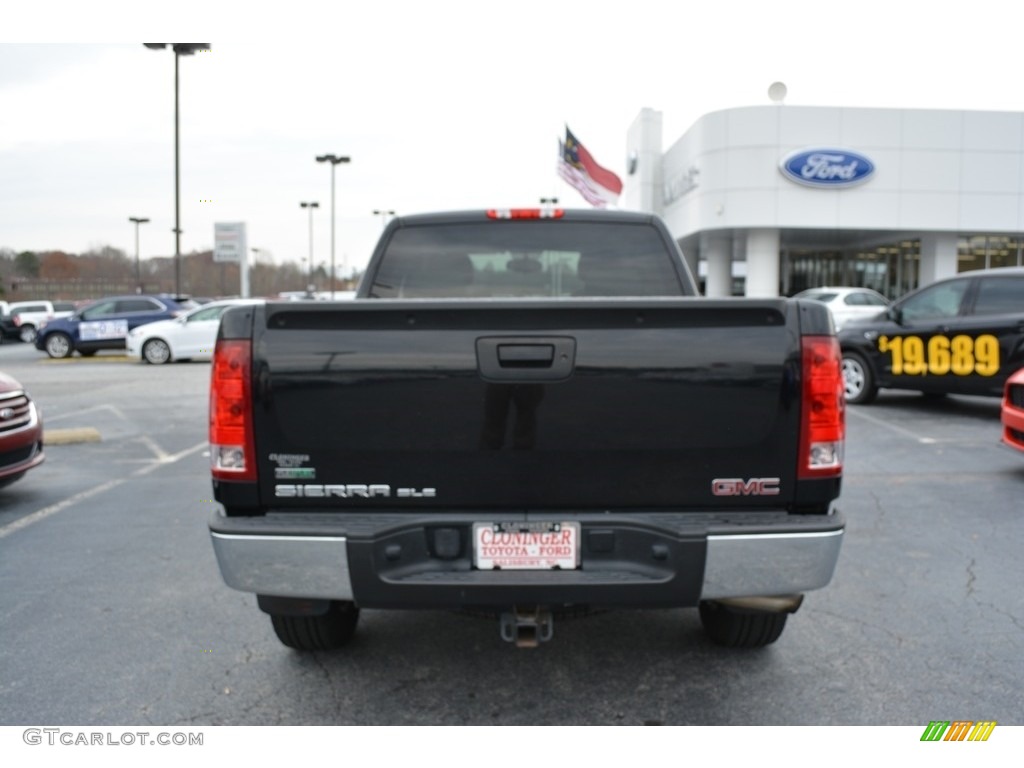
(527, 627)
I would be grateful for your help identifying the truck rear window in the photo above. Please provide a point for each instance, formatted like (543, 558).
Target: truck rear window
(530, 259)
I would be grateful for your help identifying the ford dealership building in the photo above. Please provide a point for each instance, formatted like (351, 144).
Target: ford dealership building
(771, 200)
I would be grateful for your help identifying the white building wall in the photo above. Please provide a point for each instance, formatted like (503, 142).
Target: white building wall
(939, 174)
(936, 170)
(643, 188)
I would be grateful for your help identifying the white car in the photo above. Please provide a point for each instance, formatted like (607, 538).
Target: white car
(847, 304)
(189, 337)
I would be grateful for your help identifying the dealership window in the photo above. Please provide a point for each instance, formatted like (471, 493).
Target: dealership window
(892, 268)
(988, 252)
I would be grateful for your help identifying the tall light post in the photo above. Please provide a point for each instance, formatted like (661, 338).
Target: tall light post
(311, 206)
(383, 216)
(180, 49)
(333, 160)
(138, 272)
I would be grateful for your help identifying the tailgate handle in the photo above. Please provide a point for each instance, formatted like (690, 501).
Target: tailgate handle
(525, 358)
(526, 355)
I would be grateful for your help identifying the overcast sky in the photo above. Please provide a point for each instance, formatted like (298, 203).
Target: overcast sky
(441, 105)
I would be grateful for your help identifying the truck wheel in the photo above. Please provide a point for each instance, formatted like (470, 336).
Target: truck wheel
(58, 345)
(740, 628)
(858, 380)
(318, 633)
(27, 334)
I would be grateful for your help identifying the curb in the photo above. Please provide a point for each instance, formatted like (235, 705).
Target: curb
(70, 436)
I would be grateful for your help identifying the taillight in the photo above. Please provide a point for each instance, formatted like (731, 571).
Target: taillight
(823, 421)
(525, 213)
(232, 449)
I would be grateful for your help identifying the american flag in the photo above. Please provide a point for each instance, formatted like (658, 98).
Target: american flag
(599, 186)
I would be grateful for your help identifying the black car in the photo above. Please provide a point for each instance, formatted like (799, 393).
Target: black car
(9, 330)
(960, 335)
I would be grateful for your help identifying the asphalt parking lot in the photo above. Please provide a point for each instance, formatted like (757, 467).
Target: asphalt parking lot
(114, 611)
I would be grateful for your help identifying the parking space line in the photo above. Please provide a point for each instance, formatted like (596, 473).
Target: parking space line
(45, 512)
(170, 459)
(892, 427)
(160, 453)
(91, 409)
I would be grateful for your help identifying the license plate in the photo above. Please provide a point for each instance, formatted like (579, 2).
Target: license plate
(526, 546)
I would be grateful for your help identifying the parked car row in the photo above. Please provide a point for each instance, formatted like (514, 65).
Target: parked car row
(187, 330)
(156, 329)
(105, 324)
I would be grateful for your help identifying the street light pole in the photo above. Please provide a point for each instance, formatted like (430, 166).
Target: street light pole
(311, 206)
(333, 160)
(180, 49)
(258, 254)
(177, 183)
(138, 273)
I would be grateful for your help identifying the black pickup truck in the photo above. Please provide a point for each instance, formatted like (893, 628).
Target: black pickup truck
(525, 413)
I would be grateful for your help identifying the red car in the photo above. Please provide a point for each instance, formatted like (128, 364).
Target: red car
(1013, 411)
(21, 432)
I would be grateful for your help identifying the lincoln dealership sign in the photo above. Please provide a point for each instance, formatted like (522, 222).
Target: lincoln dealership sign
(826, 167)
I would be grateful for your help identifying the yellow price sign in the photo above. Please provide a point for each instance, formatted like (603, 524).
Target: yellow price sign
(961, 355)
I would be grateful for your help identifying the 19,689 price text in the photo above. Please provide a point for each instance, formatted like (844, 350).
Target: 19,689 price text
(961, 355)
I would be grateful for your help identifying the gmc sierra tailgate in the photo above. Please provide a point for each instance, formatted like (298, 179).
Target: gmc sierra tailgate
(653, 404)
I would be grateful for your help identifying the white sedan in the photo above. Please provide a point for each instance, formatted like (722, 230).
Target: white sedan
(847, 304)
(189, 337)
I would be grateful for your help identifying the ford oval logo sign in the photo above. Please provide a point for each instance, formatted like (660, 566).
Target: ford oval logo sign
(827, 167)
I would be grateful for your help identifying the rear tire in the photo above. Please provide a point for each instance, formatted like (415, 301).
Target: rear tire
(858, 380)
(739, 627)
(330, 630)
(27, 334)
